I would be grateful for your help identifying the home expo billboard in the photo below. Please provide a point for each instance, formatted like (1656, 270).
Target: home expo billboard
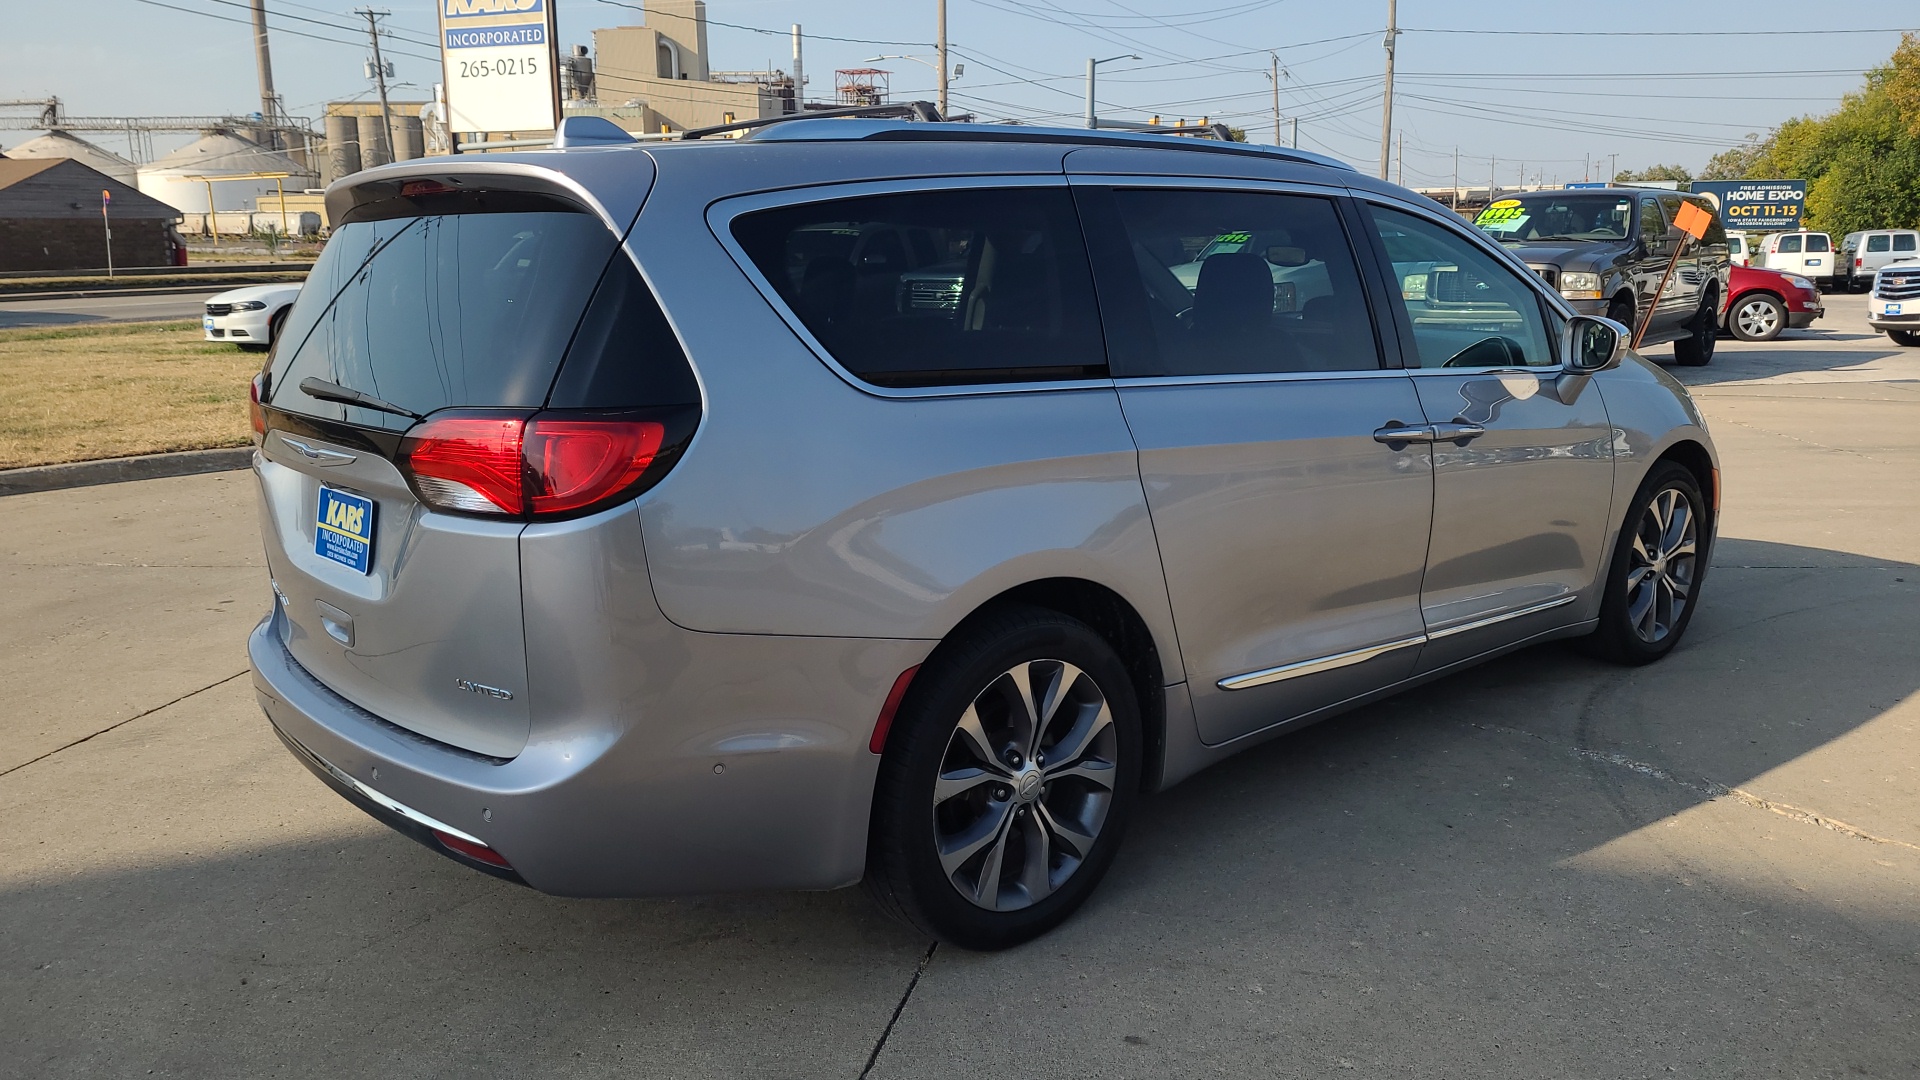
(1756, 205)
(500, 65)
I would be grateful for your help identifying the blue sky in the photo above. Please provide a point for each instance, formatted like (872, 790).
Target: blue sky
(1540, 83)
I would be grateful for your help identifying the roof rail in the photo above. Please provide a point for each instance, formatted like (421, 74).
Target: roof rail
(922, 111)
(1161, 139)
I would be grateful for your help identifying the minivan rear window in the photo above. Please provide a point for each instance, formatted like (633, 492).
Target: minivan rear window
(937, 288)
(440, 310)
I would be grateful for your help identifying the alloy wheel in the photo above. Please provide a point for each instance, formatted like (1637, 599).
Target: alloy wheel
(1758, 320)
(1664, 556)
(1025, 785)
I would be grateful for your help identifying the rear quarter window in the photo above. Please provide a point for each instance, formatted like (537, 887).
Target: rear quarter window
(937, 288)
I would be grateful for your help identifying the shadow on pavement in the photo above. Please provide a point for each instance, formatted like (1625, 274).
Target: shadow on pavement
(11, 320)
(1469, 879)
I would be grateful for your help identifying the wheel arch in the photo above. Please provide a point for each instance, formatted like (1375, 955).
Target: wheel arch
(1123, 628)
(1695, 458)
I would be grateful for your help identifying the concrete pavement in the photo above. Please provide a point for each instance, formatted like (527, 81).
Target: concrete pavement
(1544, 867)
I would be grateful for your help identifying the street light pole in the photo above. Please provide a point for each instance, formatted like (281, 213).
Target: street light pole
(940, 47)
(1093, 121)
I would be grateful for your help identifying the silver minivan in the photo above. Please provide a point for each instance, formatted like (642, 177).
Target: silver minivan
(873, 500)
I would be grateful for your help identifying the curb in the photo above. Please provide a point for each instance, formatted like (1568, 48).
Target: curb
(117, 470)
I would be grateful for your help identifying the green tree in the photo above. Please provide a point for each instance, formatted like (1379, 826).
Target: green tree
(1861, 161)
(1654, 172)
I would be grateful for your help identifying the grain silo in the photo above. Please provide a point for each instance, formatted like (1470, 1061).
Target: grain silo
(232, 163)
(59, 144)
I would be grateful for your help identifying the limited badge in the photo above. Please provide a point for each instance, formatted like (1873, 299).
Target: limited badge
(343, 529)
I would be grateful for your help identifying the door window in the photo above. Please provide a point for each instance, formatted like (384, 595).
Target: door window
(1232, 283)
(937, 288)
(1789, 245)
(1816, 242)
(1904, 241)
(1653, 227)
(1880, 242)
(1465, 308)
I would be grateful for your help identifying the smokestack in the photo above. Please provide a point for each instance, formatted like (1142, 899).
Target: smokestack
(265, 62)
(799, 74)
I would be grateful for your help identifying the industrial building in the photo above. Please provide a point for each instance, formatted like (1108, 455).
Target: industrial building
(656, 76)
(50, 219)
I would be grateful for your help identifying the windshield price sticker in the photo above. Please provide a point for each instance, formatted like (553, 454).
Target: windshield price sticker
(499, 65)
(1504, 216)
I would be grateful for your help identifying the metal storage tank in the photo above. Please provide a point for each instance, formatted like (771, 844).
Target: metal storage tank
(216, 154)
(409, 138)
(374, 150)
(343, 146)
(59, 144)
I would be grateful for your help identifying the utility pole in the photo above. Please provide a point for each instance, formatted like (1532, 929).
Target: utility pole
(267, 104)
(1586, 169)
(1613, 167)
(1493, 164)
(1274, 75)
(1456, 178)
(380, 75)
(1400, 162)
(1386, 101)
(1523, 175)
(940, 48)
(1092, 120)
(799, 76)
(1296, 133)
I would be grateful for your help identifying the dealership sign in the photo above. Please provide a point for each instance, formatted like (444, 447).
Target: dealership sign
(500, 62)
(1756, 205)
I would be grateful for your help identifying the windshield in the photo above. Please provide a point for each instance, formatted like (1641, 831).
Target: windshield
(441, 310)
(1558, 216)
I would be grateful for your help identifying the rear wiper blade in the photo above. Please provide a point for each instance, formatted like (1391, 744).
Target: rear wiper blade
(328, 391)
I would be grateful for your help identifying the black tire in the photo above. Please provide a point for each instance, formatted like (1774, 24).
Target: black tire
(1905, 338)
(1696, 349)
(1620, 310)
(1621, 637)
(967, 674)
(1757, 317)
(252, 346)
(273, 326)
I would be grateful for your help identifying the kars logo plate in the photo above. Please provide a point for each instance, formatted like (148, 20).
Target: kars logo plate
(343, 529)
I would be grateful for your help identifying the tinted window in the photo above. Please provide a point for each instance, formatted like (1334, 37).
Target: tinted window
(937, 288)
(1465, 308)
(442, 310)
(1816, 242)
(1881, 242)
(1904, 242)
(624, 355)
(1789, 245)
(1236, 283)
(1653, 227)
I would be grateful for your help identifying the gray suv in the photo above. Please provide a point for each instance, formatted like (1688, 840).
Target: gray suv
(865, 499)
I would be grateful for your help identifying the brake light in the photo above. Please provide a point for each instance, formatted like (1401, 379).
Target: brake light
(576, 463)
(255, 413)
(547, 465)
(469, 463)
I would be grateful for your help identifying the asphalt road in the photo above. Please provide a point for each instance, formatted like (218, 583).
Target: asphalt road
(1545, 867)
(125, 307)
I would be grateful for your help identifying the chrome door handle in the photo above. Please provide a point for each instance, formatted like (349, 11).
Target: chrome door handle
(1397, 432)
(1457, 432)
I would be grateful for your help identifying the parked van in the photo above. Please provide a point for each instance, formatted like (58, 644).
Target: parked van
(1809, 254)
(1741, 248)
(1863, 253)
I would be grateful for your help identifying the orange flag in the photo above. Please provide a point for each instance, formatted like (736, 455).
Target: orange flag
(1692, 220)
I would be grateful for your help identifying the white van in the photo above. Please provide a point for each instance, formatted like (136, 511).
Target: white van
(1741, 248)
(1809, 254)
(1863, 253)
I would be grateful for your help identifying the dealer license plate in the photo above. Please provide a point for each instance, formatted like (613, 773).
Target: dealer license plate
(1890, 309)
(1813, 262)
(208, 323)
(343, 529)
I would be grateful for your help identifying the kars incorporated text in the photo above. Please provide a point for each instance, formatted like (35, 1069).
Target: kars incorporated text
(529, 34)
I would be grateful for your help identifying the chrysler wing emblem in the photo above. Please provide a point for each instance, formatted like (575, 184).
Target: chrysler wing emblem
(315, 454)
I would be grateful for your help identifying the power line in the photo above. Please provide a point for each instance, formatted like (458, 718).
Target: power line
(1653, 33)
(764, 30)
(279, 30)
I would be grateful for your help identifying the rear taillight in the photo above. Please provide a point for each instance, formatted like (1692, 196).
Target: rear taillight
(255, 413)
(551, 464)
(476, 852)
(1859, 262)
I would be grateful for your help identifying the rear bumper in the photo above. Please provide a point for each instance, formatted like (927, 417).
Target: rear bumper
(762, 784)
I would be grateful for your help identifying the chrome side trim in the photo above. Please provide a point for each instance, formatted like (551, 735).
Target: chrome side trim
(1312, 667)
(394, 805)
(1490, 620)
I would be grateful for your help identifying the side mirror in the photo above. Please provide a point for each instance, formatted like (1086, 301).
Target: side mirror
(1592, 344)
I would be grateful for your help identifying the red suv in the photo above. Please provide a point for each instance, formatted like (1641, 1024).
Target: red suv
(1761, 303)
